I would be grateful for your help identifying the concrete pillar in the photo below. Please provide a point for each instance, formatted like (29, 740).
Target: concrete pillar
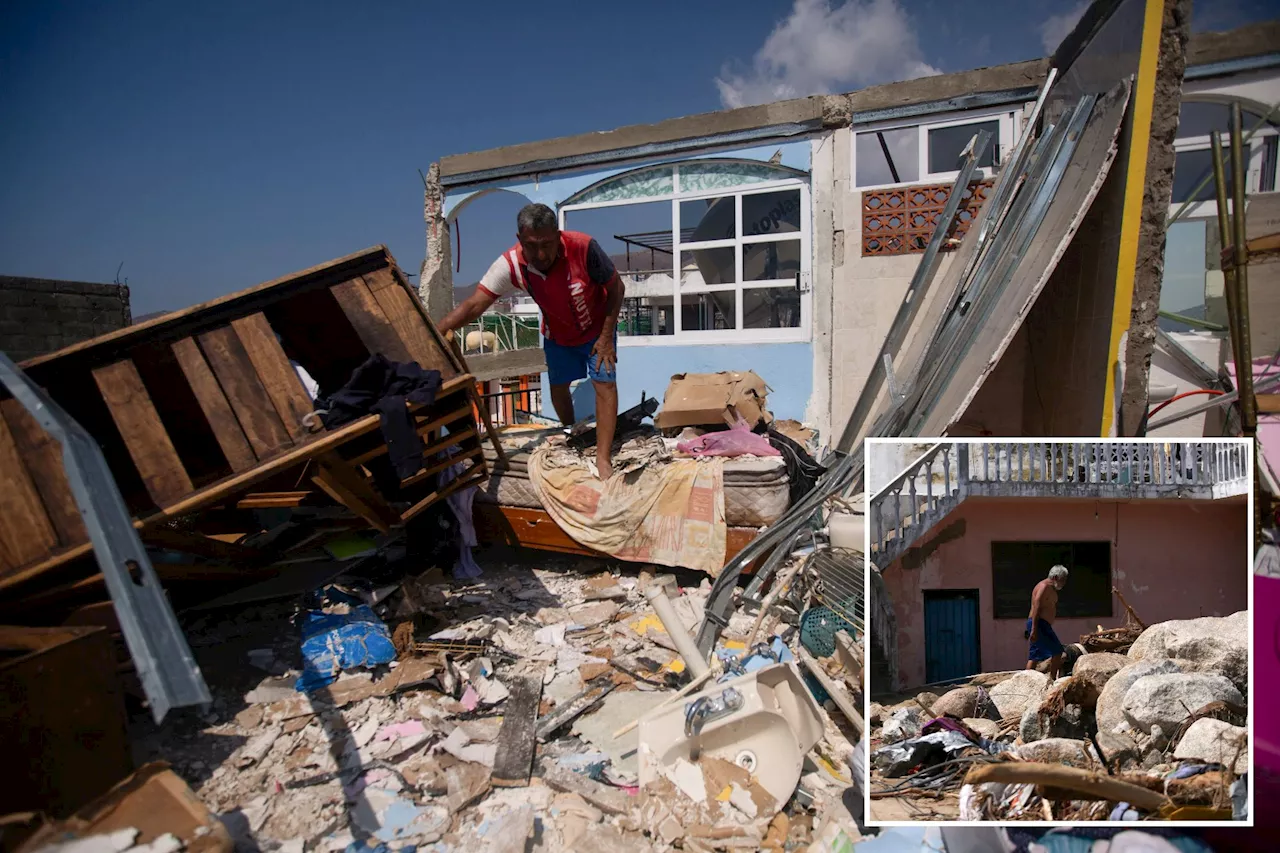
(435, 281)
(1175, 32)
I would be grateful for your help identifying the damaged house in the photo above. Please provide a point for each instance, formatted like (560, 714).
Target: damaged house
(962, 532)
(784, 238)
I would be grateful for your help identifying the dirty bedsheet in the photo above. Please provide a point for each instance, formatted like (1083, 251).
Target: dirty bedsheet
(655, 509)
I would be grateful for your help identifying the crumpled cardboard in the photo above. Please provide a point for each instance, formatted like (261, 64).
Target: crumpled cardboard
(712, 399)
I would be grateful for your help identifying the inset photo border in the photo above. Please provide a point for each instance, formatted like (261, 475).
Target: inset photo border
(1059, 630)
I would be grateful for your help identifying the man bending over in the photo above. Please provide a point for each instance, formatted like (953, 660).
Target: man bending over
(579, 294)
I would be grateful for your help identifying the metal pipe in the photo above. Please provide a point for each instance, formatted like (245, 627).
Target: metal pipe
(1224, 238)
(696, 663)
(1220, 400)
(1240, 261)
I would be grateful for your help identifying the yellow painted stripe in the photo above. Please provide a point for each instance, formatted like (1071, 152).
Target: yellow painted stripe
(1144, 94)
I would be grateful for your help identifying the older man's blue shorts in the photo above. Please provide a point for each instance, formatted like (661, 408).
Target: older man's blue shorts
(1046, 644)
(569, 364)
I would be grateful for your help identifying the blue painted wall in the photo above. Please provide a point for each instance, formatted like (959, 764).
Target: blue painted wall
(787, 368)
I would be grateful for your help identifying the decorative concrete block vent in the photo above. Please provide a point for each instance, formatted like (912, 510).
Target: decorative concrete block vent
(901, 220)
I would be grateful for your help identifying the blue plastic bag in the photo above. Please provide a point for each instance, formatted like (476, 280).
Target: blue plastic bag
(332, 642)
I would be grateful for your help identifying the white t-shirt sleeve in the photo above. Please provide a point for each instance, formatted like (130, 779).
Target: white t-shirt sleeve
(497, 281)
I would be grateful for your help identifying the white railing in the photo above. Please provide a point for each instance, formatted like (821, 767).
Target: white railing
(505, 332)
(929, 487)
(1187, 463)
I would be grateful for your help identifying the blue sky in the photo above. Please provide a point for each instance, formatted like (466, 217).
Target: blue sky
(212, 146)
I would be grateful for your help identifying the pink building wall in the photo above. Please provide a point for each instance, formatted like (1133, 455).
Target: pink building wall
(1174, 559)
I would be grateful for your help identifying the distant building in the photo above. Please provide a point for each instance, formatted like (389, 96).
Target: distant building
(40, 315)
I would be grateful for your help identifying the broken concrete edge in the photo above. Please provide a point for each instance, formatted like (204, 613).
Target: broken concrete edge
(818, 112)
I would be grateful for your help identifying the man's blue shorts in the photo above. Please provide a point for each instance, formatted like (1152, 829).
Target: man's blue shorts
(569, 364)
(1046, 644)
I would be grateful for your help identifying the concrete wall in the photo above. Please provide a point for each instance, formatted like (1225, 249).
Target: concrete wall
(1171, 559)
(39, 316)
(787, 368)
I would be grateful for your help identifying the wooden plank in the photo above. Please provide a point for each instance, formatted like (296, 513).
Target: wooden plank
(217, 409)
(397, 305)
(43, 456)
(228, 487)
(1268, 404)
(475, 475)
(440, 466)
(422, 429)
(245, 392)
(283, 385)
(348, 487)
(26, 534)
(369, 321)
(380, 279)
(203, 546)
(517, 739)
(263, 500)
(143, 432)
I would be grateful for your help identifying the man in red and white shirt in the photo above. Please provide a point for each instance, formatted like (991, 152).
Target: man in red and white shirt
(579, 293)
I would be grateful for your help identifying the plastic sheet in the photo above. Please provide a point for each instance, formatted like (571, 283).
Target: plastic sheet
(332, 642)
(738, 440)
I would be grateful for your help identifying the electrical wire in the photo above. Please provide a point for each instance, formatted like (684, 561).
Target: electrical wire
(1210, 391)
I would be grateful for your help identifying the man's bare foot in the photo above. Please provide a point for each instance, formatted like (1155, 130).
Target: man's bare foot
(604, 467)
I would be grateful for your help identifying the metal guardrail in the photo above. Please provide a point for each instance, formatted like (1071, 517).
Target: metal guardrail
(515, 406)
(510, 332)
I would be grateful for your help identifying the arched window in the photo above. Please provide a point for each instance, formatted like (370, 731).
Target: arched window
(1193, 168)
(713, 250)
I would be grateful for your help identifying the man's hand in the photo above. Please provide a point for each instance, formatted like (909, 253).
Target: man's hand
(1034, 636)
(604, 350)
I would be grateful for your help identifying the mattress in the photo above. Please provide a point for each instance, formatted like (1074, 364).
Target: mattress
(756, 489)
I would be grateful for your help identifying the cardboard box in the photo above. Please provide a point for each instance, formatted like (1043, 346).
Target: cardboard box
(713, 399)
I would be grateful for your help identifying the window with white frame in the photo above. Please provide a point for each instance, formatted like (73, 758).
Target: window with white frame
(1193, 154)
(714, 251)
(928, 152)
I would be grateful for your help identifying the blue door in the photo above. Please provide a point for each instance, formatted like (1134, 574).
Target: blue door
(951, 648)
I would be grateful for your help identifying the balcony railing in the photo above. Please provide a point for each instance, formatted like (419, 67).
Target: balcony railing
(514, 405)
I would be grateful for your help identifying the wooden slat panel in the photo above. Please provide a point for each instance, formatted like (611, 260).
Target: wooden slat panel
(143, 432)
(43, 456)
(249, 400)
(380, 279)
(26, 533)
(369, 321)
(214, 404)
(397, 304)
(349, 488)
(283, 385)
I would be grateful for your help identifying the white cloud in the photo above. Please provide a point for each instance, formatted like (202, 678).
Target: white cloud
(1058, 27)
(821, 48)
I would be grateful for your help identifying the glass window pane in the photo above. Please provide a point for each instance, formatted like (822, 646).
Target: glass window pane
(771, 308)
(706, 219)
(637, 237)
(1192, 167)
(701, 267)
(1183, 289)
(703, 312)
(947, 143)
(703, 175)
(771, 261)
(638, 184)
(771, 213)
(902, 165)
(1199, 119)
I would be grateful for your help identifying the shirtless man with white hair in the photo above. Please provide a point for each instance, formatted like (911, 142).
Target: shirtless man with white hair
(1045, 644)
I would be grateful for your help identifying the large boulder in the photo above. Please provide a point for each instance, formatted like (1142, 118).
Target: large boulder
(1215, 742)
(1057, 750)
(1210, 644)
(968, 701)
(1110, 707)
(1029, 726)
(1097, 668)
(1167, 700)
(926, 699)
(1123, 752)
(1020, 691)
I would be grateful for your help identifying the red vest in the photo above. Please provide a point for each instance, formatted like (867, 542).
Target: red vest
(573, 306)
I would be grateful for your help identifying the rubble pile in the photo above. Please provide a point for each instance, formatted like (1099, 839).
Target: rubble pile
(506, 720)
(1161, 731)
